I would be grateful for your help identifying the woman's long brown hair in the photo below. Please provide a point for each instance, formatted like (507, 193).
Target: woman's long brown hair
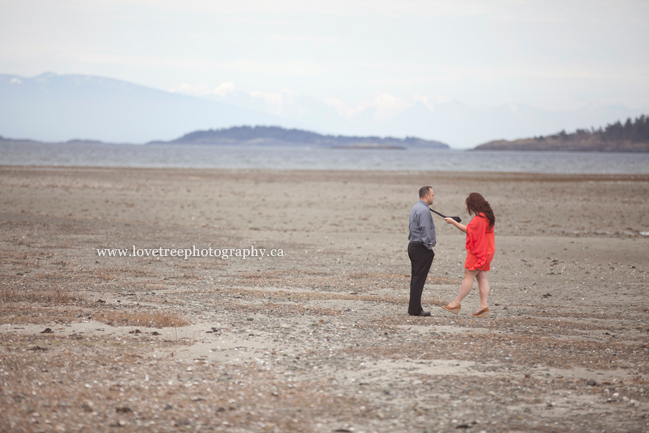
(475, 203)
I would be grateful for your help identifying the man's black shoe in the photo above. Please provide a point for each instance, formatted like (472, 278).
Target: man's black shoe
(422, 314)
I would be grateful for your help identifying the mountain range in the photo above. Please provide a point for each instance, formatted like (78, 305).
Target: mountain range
(53, 107)
(56, 108)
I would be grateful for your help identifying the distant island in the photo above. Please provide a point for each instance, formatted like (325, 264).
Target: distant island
(632, 136)
(14, 141)
(277, 136)
(268, 136)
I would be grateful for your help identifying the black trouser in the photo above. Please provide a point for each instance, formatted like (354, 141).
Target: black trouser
(420, 259)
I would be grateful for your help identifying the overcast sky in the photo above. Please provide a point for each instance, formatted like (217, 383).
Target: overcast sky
(550, 54)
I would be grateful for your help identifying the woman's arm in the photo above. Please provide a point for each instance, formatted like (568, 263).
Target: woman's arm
(460, 227)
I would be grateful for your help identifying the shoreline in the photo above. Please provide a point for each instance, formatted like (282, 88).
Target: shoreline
(521, 175)
(297, 158)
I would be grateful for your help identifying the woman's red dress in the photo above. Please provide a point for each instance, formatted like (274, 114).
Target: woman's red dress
(480, 244)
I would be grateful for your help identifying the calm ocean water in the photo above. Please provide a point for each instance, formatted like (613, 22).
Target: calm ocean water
(313, 158)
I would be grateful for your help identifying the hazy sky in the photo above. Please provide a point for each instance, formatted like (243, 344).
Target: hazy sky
(550, 54)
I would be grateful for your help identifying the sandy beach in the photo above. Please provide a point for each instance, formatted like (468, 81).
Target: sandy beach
(316, 337)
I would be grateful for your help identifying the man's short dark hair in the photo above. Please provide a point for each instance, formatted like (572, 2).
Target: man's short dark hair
(424, 190)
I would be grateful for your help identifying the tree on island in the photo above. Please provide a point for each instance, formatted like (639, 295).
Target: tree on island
(635, 131)
(632, 136)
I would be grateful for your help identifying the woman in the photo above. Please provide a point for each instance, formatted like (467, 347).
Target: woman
(480, 249)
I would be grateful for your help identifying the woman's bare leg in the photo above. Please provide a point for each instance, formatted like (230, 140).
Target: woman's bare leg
(483, 287)
(465, 287)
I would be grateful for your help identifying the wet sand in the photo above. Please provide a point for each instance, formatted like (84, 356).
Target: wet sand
(318, 339)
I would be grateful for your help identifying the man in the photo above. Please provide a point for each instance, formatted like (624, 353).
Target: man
(420, 249)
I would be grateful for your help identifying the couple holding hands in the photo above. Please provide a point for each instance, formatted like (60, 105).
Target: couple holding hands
(480, 249)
